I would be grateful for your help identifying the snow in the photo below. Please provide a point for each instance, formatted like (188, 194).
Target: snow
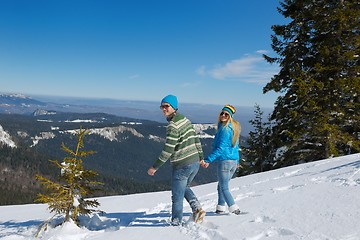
(201, 128)
(81, 120)
(43, 135)
(315, 201)
(5, 138)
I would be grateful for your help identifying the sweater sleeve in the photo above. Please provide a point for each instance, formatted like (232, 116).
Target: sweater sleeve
(172, 137)
(199, 148)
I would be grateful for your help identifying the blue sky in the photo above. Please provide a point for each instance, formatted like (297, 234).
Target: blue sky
(203, 51)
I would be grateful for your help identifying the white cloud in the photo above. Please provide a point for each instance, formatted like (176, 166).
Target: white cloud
(250, 68)
(201, 71)
(134, 76)
(262, 51)
(235, 68)
(189, 84)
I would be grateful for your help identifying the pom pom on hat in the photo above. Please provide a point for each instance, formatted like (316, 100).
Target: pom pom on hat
(172, 100)
(230, 109)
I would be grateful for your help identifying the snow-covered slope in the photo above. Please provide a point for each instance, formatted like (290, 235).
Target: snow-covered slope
(313, 201)
(5, 138)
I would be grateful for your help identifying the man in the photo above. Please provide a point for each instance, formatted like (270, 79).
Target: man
(183, 148)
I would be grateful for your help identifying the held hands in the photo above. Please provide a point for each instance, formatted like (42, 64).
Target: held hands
(204, 164)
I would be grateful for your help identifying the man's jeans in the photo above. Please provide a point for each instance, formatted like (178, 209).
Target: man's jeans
(181, 179)
(226, 170)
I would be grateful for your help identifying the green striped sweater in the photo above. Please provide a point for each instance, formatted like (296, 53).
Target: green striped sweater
(182, 145)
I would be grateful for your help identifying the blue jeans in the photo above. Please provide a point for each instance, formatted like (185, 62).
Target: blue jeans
(180, 189)
(226, 170)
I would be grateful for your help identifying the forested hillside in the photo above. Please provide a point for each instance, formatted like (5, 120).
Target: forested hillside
(125, 148)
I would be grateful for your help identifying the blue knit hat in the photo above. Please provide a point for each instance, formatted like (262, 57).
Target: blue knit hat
(172, 100)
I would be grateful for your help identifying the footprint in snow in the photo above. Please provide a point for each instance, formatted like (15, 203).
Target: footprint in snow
(262, 219)
(286, 188)
(272, 232)
(287, 174)
(204, 231)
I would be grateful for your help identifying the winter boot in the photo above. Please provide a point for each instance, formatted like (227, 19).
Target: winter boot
(220, 209)
(199, 215)
(176, 222)
(234, 209)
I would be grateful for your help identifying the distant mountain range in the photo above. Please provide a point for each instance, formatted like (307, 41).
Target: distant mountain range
(17, 103)
(197, 113)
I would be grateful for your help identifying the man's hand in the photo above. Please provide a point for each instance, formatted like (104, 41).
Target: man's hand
(151, 171)
(204, 164)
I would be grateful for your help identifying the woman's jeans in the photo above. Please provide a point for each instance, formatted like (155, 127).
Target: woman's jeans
(226, 170)
(181, 179)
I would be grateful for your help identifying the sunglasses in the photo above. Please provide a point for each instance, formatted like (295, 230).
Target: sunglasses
(224, 113)
(164, 106)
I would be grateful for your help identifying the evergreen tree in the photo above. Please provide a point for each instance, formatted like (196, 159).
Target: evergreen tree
(317, 115)
(258, 152)
(67, 196)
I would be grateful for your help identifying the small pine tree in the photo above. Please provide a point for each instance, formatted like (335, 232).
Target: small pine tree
(258, 152)
(67, 196)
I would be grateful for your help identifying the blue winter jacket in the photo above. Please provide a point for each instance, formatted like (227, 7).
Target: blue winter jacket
(222, 145)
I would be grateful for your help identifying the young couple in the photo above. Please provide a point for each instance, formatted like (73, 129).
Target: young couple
(184, 150)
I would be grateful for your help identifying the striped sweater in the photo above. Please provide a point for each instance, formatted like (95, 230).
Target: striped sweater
(182, 145)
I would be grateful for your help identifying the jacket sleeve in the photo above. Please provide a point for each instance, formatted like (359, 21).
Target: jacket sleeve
(219, 145)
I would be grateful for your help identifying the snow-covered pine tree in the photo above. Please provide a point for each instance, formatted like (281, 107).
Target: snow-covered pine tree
(258, 154)
(67, 196)
(317, 115)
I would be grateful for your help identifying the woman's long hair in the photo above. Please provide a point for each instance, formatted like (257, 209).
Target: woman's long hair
(235, 126)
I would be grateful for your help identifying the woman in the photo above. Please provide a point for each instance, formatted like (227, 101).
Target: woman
(226, 152)
(183, 148)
